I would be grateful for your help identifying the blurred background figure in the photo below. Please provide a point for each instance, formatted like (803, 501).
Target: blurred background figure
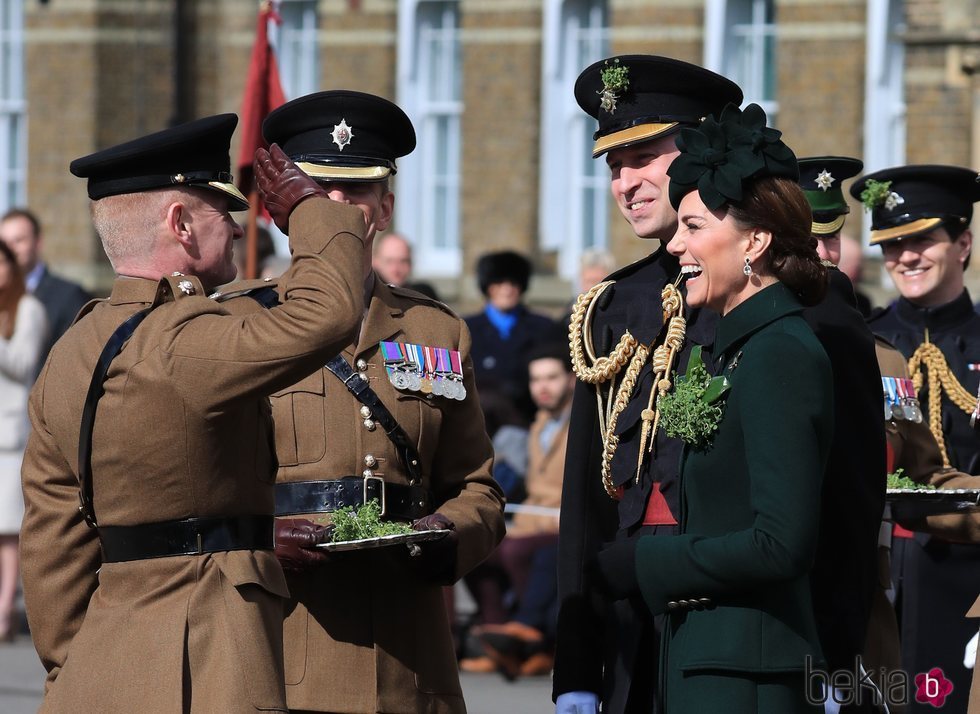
(505, 331)
(265, 255)
(594, 266)
(392, 261)
(23, 335)
(62, 299)
(851, 261)
(516, 588)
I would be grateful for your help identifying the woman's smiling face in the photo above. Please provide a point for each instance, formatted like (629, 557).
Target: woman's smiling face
(712, 251)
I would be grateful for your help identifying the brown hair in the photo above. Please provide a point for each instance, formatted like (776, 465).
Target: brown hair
(10, 296)
(779, 206)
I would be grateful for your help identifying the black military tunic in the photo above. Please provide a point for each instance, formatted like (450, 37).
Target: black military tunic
(938, 581)
(600, 644)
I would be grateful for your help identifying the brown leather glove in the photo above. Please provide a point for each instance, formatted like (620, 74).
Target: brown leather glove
(437, 559)
(281, 184)
(295, 540)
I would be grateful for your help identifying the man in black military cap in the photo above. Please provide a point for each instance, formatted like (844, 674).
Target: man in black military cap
(920, 216)
(393, 416)
(618, 485)
(845, 571)
(161, 592)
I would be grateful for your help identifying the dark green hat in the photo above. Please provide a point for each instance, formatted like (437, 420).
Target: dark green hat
(910, 200)
(821, 178)
(341, 135)
(636, 98)
(192, 154)
(718, 157)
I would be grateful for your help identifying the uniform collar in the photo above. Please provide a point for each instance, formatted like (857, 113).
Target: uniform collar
(383, 319)
(937, 318)
(133, 290)
(763, 308)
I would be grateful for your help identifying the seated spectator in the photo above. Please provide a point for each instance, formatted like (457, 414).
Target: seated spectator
(505, 331)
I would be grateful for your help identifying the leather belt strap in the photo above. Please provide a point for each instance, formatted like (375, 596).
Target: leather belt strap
(190, 536)
(398, 501)
(95, 390)
(362, 391)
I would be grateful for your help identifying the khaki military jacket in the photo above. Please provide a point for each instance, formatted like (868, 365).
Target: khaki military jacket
(367, 632)
(545, 472)
(184, 430)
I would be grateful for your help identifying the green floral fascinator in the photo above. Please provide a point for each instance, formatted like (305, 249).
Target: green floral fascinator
(718, 156)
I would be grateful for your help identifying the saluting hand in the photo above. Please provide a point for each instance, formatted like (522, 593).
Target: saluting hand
(295, 542)
(281, 184)
(437, 558)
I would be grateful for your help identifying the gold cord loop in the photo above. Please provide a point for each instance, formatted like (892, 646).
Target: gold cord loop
(929, 358)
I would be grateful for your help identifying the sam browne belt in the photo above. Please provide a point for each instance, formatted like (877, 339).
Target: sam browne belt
(190, 536)
(397, 501)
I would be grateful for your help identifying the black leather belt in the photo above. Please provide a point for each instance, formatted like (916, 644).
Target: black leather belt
(397, 500)
(190, 536)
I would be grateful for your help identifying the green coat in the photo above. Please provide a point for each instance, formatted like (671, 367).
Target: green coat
(736, 581)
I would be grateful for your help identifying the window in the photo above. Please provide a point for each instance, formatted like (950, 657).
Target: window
(13, 107)
(296, 47)
(430, 90)
(740, 43)
(884, 100)
(574, 187)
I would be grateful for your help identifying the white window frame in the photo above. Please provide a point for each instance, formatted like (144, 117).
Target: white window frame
(297, 47)
(13, 106)
(438, 126)
(722, 18)
(884, 87)
(569, 176)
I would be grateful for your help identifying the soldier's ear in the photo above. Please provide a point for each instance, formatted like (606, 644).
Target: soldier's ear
(386, 212)
(178, 224)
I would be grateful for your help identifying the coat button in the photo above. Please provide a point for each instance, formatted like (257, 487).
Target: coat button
(370, 425)
(361, 365)
(370, 461)
(365, 412)
(367, 473)
(363, 376)
(672, 605)
(706, 601)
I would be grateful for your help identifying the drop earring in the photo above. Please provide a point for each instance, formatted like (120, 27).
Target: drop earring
(748, 267)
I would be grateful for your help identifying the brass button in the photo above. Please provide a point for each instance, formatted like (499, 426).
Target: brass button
(370, 461)
(367, 473)
(365, 412)
(361, 365)
(672, 605)
(370, 425)
(706, 601)
(363, 376)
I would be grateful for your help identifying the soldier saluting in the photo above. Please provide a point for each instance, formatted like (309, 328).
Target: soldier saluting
(162, 592)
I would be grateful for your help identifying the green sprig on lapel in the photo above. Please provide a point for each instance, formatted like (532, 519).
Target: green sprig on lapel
(692, 411)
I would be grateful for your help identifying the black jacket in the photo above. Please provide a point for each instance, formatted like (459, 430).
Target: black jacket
(62, 299)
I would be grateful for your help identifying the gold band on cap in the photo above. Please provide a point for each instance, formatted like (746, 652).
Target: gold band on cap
(344, 173)
(232, 190)
(904, 231)
(826, 229)
(640, 132)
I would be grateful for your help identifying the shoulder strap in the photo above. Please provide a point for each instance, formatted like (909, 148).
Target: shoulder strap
(366, 396)
(95, 391)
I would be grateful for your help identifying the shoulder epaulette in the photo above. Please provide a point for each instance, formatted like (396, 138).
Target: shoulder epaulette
(262, 290)
(87, 308)
(419, 297)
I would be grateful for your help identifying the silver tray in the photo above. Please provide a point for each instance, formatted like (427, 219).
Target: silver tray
(408, 539)
(909, 503)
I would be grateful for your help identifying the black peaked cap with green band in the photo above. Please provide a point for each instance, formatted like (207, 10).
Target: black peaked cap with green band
(719, 156)
(909, 200)
(821, 178)
(636, 98)
(194, 154)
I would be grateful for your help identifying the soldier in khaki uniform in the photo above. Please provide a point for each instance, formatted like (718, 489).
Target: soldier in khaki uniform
(173, 603)
(367, 631)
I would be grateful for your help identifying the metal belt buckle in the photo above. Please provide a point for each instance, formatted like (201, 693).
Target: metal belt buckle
(381, 487)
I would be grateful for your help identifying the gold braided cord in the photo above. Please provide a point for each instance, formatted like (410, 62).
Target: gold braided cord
(928, 357)
(580, 344)
(610, 439)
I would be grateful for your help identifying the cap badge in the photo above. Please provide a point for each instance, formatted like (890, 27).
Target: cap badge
(825, 180)
(342, 134)
(615, 79)
(186, 287)
(879, 193)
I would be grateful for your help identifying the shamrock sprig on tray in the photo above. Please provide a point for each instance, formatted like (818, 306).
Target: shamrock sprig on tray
(364, 522)
(897, 480)
(693, 410)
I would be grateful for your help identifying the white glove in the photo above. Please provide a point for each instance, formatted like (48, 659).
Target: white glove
(970, 655)
(577, 703)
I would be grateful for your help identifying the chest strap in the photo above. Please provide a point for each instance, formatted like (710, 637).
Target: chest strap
(362, 391)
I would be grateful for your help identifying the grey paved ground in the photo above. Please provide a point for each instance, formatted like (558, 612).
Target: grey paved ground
(22, 679)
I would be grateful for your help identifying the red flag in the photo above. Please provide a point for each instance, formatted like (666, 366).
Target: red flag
(263, 93)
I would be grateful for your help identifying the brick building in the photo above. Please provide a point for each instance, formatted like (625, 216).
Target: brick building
(503, 158)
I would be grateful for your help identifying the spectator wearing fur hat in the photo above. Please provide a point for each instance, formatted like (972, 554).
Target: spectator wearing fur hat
(505, 330)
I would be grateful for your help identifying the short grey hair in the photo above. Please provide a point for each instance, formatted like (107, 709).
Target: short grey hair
(128, 224)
